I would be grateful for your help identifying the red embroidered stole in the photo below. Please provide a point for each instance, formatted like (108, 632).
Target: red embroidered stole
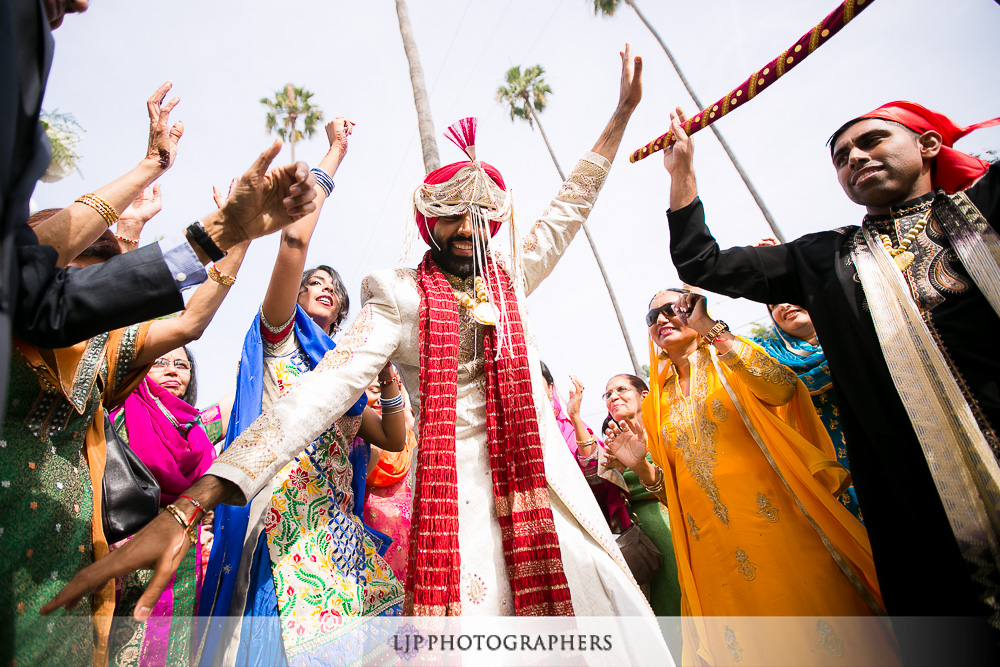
(530, 542)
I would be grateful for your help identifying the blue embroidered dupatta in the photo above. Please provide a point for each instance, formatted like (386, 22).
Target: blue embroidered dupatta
(260, 641)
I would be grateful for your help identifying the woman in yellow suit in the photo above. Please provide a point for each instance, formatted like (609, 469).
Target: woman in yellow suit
(750, 479)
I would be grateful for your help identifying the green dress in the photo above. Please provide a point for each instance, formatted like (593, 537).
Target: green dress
(664, 591)
(46, 500)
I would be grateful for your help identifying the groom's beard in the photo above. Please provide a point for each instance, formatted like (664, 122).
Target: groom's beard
(445, 257)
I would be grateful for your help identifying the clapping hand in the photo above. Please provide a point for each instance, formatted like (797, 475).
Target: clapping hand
(626, 441)
(163, 138)
(217, 195)
(263, 201)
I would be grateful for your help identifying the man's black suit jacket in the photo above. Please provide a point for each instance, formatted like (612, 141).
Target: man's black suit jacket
(40, 303)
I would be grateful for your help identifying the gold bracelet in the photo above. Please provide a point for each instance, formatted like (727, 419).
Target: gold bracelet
(657, 486)
(179, 517)
(124, 239)
(220, 277)
(176, 513)
(106, 210)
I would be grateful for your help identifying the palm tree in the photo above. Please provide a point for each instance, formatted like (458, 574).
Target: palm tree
(607, 8)
(428, 142)
(525, 95)
(288, 107)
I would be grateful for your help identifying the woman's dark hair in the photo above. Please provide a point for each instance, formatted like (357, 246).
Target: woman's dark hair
(679, 290)
(104, 248)
(637, 382)
(546, 373)
(191, 394)
(338, 289)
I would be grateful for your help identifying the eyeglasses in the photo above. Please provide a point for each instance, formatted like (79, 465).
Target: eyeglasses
(667, 309)
(179, 364)
(616, 390)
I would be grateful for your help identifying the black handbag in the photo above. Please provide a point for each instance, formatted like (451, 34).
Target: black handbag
(642, 556)
(131, 496)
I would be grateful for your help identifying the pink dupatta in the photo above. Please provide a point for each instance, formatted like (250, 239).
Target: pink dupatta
(164, 434)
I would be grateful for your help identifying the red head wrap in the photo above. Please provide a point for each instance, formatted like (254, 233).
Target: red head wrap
(442, 175)
(953, 170)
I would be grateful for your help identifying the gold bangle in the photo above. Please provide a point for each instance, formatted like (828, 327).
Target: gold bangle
(176, 513)
(127, 240)
(220, 277)
(106, 210)
(179, 517)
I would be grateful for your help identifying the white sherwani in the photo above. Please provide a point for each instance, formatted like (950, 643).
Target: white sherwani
(387, 328)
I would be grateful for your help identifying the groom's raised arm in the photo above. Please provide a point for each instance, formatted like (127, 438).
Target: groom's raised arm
(552, 233)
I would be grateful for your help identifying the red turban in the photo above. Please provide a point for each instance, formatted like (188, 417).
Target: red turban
(444, 174)
(953, 170)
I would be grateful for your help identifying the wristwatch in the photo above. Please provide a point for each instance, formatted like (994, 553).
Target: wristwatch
(717, 330)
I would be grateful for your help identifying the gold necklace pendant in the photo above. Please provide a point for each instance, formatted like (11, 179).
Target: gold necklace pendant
(903, 260)
(485, 314)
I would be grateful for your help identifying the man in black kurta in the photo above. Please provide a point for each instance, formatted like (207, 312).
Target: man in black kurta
(892, 170)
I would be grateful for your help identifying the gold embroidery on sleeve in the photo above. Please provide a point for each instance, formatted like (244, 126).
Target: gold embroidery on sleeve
(758, 363)
(353, 338)
(585, 181)
(254, 450)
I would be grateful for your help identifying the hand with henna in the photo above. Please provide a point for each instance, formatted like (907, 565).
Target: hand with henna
(134, 218)
(163, 138)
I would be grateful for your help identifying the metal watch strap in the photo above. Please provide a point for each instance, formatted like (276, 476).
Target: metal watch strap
(198, 234)
(717, 330)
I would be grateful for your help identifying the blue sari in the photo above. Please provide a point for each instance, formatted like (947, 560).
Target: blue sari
(260, 639)
(809, 363)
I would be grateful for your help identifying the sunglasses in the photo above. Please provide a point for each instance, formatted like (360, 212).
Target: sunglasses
(667, 309)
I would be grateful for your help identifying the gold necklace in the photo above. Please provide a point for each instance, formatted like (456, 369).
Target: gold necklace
(481, 311)
(901, 254)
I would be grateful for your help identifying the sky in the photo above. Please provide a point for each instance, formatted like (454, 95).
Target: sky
(223, 56)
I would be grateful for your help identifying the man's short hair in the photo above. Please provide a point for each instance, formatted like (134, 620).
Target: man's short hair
(832, 141)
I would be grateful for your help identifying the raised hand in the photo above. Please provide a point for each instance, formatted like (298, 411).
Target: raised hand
(163, 137)
(626, 442)
(692, 311)
(263, 201)
(139, 212)
(679, 156)
(631, 85)
(337, 131)
(767, 241)
(217, 195)
(575, 398)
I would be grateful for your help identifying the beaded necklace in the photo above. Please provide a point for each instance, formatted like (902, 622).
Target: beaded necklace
(901, 254)
(481, 309)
